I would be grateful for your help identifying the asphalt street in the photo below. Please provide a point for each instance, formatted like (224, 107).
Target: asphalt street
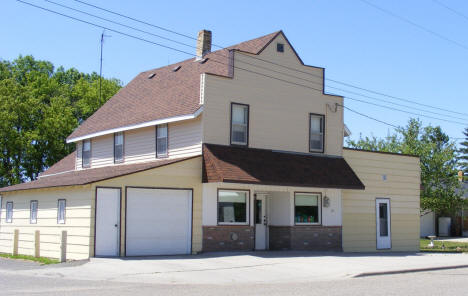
(442, 282)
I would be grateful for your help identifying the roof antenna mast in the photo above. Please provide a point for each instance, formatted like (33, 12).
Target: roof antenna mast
(100, 65)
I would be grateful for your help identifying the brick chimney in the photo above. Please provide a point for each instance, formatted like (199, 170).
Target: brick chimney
(203, 43)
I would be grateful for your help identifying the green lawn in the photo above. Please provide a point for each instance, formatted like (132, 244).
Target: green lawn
(41, 260)
(442, 246)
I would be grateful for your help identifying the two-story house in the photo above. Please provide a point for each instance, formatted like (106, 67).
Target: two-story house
(237, 149)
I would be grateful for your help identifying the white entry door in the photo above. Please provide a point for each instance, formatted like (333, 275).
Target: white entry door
(261, 235)
(384, 235)
(159, 222)
(107, 222)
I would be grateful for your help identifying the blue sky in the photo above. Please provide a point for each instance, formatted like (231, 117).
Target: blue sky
(355, 42)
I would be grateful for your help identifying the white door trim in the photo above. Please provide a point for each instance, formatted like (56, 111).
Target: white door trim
(383, 242)
(110, 221)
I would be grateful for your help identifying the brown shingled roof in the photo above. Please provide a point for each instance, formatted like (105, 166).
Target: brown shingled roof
(83, 177)
(64, 165)
(261, 166)
(167, 94)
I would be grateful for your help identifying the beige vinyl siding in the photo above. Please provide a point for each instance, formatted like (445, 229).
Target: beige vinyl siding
(78, 216)
(279, 111)
(185, 138)
(185, 174)
(102, 151)
(401, 186)
(140, 145)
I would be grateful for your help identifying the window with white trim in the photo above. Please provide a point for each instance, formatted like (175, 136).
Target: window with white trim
(161, 141)
(239, 124)
(34, 205)
(307, 208)
(61, 207)
(86, 153)
(9, 212)
(118, 147)
(232, 207)
(316, 129)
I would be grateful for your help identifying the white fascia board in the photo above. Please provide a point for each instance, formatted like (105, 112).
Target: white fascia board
(139, 125)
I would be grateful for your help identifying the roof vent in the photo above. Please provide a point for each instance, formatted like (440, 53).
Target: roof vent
(177, 68)
(202, 61)
(151, 75)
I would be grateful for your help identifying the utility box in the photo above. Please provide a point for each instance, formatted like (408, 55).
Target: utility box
(444, 226)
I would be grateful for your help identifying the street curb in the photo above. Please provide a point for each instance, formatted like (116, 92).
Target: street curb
(366, 274)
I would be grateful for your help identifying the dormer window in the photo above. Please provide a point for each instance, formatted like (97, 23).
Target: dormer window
(239, 124)
(316, 133)
(86, 154)
(118, 147)
(161, 141)
(279, 47)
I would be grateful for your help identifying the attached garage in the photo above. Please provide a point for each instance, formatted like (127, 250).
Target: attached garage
(159, 221)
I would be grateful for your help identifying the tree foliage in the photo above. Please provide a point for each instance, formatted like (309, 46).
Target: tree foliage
(464, 153)
(39, 108)
(438, 160)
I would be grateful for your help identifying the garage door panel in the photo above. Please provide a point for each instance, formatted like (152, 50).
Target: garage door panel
(158, 221)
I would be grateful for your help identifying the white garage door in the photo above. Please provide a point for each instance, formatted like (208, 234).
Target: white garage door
(159, 222)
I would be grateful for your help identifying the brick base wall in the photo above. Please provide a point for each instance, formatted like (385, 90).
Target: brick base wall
(311, 238)
(228, 238)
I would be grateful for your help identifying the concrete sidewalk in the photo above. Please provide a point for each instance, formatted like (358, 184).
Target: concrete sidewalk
(255, 267)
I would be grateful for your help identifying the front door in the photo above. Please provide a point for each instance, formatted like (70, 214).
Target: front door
(260, 222)
(384, 236)
(107, 222)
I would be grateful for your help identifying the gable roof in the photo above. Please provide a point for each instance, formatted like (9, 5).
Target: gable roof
(168, 94)
(267, 167)
(64, 165)
(88, 176)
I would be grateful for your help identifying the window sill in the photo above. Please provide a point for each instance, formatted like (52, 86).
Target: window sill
(307, 224)
(233, 224)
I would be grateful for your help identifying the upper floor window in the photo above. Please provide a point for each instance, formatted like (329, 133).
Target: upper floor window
(86, 153)
(9, 212)
(239, 124)
(161, 141)
(118, 147)
(61, 211)
(279, 47)
(33, 212)
(316, 130)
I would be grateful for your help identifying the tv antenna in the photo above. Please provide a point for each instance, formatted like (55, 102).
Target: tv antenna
(103, 35)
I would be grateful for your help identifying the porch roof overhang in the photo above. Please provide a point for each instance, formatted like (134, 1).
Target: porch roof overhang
(268, 167)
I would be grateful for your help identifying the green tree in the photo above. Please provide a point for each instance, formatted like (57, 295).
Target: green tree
(464, 153)
(438, 160)
(39, 108)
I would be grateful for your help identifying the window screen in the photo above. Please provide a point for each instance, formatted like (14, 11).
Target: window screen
(118, 147)
(33, 212)
(239, 124)
(61, 211)
(86, 153)
(9, 212)
(161, 140)
(316, 133)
